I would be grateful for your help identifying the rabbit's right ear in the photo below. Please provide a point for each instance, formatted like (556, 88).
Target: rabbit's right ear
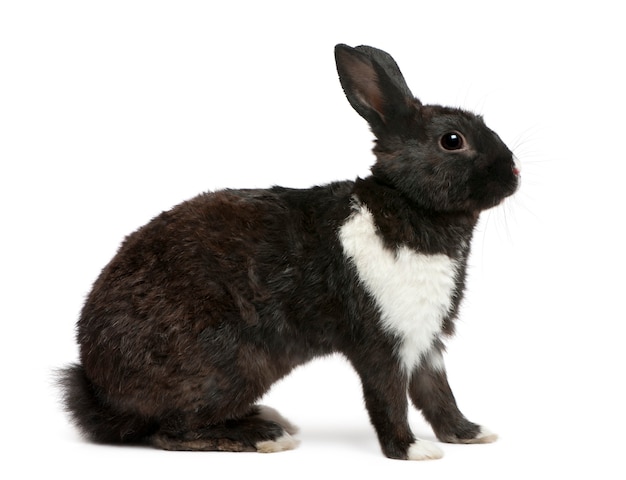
(373, 84)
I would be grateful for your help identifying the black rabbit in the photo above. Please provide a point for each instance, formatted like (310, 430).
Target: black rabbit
(209, 304)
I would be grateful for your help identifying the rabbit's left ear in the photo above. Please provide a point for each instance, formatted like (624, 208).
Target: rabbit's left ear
(373, 84)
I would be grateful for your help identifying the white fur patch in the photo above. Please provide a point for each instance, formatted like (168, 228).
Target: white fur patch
(413, 291)
(424, 450)
(484, 436)
(286, 442)
(435, 361)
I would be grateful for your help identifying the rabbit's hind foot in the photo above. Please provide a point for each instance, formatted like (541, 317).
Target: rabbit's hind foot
(264, 430)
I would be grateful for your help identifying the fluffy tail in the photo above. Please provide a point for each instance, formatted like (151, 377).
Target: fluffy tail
(94, 417)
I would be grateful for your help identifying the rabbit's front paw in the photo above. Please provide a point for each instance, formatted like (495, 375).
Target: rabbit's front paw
(478, 435)
(424, 450)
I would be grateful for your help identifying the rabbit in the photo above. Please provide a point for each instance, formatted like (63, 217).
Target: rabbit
(206, 306)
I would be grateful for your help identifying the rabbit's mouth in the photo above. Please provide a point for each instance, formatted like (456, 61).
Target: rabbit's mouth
(512, 183)
(512, 187)
(491, 190)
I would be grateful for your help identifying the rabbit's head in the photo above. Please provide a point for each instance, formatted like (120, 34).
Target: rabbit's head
(443, 159)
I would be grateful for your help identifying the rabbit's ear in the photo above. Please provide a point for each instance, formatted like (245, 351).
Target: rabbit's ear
(373, 84)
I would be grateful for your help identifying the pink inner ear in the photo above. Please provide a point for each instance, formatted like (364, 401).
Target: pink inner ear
(374, 97)
(366, 82)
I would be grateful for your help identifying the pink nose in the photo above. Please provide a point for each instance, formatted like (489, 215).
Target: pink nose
(516, 166)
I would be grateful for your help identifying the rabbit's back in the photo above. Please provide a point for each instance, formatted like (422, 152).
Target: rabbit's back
(182, 316)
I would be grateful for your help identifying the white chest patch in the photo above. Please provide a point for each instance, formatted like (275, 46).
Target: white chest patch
(413, 291)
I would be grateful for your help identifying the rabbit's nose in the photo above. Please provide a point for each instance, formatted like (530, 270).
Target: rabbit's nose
(517, 167)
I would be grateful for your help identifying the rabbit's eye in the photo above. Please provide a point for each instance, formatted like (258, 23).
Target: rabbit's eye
(452, 141)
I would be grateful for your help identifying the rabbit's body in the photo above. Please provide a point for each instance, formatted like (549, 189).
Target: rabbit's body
(209, 304)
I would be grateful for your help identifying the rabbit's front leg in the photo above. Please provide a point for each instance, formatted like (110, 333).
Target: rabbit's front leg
(430, 392)
(384, 390)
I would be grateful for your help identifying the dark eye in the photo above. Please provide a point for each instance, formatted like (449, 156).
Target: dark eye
(452, 141)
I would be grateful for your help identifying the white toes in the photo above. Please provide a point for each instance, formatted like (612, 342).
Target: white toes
(424, 450)
(286, 442)
(485, 436)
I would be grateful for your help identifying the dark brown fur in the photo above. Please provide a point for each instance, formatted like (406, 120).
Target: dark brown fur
(209, 304)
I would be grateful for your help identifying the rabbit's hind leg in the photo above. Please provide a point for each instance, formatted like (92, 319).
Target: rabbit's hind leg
(263, 430)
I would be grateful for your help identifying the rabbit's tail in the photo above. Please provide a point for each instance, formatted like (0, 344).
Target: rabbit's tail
(92, 414)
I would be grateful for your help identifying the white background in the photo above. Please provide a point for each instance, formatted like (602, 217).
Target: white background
(111, 112)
